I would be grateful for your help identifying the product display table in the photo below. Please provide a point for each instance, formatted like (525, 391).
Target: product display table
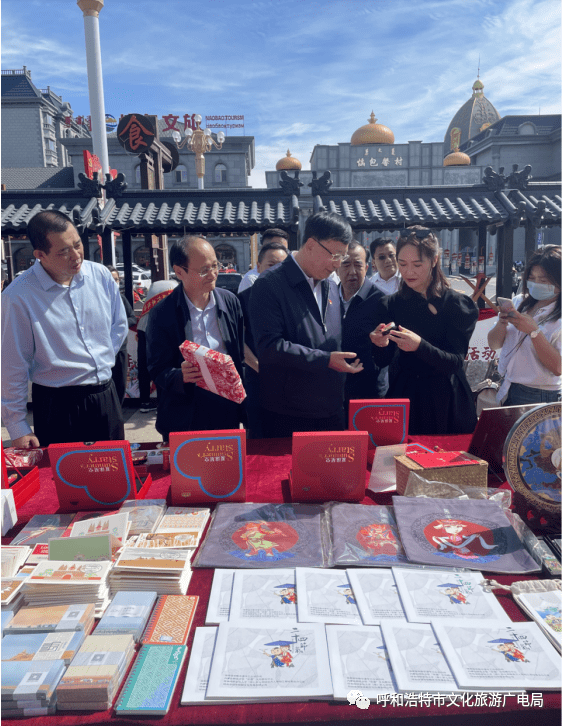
(268, 465)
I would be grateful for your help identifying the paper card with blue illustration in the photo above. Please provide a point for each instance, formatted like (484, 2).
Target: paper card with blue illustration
(41, 527)
(434, 594)
(59, 572)
(218, 609)
(365, 535)
(376, 595)
(42, 646)
(471, 533)
(482, 655)
(546, 610)
(325, 596)
(259, 595)
(275, 661)
(265, 535)
(117, 525)
(359, 661)
(416, 657)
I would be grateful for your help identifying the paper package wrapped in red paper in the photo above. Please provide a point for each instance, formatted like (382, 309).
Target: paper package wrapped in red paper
(218, 370)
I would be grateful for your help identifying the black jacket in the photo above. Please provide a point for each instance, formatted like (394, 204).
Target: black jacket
(363, 315)
(169, 325)
(293, 343)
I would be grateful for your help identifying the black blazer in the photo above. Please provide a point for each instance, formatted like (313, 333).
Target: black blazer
(169, 325)
(363, 315)
(293, 343)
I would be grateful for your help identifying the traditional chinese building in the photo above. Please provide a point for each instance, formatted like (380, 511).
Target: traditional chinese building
(34, 122)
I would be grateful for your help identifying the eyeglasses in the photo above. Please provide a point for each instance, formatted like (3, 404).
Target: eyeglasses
(335, 257)
(215, 267)
(418, 233)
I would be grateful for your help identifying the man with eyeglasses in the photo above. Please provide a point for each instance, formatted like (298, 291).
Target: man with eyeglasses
(63, 323)
(295, 315)
(355, 290)
(386, 276)
(195, 310)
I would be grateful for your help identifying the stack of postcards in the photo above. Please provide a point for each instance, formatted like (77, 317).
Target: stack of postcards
(12, 559)
(77, 617)
(28, 687)
(180, 527)
(95, 673)
(128, 613)
(42, 646)
(165, 571)
(59, 582)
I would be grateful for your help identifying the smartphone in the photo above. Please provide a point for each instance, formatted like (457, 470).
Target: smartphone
(393, 326)
(506, 305)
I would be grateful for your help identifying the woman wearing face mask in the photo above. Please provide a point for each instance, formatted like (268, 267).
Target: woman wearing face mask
(428, 347)
(529, 336)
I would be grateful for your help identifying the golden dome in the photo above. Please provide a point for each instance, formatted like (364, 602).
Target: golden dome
(289, 163)
(457, 158)
(372, 133)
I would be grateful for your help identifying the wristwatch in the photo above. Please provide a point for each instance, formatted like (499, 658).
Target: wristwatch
(534, 333)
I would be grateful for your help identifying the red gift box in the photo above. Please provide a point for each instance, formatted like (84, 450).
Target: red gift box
(208, 466)
(385, 419)
(329, 465)
(95, 476)
(218, 370)
(26, 482)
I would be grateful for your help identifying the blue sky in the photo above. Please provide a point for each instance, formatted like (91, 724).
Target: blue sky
(300, 71)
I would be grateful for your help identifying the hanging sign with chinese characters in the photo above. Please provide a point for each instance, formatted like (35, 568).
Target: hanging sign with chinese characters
(135, 133)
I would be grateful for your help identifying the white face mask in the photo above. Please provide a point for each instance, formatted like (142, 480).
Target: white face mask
(540, 291)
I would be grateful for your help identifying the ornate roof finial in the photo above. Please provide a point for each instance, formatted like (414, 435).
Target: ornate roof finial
(372, 119)
(478, 74)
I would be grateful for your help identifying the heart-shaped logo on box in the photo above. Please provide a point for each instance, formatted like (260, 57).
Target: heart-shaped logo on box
(213, 465)
(98, 475)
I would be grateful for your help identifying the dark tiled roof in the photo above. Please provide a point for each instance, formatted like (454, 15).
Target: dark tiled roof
(18, 207)
(18, 86)
(437, 206)
(168, 210)
(38, 178)
(509, 126)
(470, 117)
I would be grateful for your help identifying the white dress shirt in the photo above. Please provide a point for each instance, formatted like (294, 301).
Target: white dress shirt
(205, 325)
(387, 287)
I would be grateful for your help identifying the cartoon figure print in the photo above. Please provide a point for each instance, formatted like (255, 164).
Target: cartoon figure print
(347, 592)
(287, 593)
(379, 538)
(507, 647)
(280, 654)
(463, 539)
(552, 617)
(454, 593)
(257, 535)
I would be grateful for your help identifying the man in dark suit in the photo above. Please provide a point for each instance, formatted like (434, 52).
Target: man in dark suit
(296, 323)
(355, 289)
(206, 315)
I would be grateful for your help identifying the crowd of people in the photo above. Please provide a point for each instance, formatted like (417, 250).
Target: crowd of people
(307, 332)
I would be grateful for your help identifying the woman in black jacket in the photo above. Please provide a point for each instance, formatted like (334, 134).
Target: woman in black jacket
(425, 338)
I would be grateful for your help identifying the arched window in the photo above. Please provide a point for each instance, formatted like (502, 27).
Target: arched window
(527, 129)
(220, 174)
(180, 174)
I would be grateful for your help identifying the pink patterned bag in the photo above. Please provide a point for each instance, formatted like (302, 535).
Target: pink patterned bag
(218, 370)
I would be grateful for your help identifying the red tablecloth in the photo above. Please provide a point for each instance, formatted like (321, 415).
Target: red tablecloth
(268, 465)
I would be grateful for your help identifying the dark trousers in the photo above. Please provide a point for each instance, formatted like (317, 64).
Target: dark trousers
(280, 426)
(119, 373)
(77, 413)
(253, 408)
(144, 375)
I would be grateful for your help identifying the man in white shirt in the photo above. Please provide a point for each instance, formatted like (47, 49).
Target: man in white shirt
(386, 278)
(269, 236)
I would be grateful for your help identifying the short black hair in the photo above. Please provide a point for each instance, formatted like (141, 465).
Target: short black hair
(354, 244)
(271, 246)
(179, 251)
(111, 268)
(274, 232)
(42, 224)
(381, 242)
(327, 225)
